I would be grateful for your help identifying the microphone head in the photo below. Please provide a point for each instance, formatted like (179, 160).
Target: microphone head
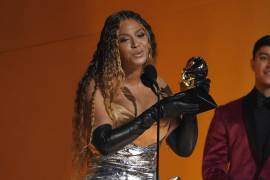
(149, 76)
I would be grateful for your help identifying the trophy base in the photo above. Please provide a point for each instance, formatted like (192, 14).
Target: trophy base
(201, 97)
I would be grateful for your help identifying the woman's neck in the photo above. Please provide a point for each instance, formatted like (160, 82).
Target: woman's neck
(133, 77)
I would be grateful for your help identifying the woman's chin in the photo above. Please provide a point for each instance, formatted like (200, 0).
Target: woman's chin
(139, 61)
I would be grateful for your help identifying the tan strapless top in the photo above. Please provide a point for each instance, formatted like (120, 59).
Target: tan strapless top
(123, 115)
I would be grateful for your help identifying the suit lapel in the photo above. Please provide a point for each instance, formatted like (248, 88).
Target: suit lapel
(249, 121)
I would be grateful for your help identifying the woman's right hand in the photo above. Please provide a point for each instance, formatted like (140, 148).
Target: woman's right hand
(174, 106)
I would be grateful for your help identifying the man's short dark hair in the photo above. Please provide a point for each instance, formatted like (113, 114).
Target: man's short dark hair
(263, 41)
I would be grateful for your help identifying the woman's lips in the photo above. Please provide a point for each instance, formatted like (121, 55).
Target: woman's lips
(139, 54)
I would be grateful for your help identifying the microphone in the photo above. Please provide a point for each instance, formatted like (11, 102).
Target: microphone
(149, 78)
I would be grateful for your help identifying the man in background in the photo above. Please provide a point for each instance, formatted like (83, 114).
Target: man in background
(238, 141)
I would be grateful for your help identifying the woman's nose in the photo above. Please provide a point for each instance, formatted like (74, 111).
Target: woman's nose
(134, 43)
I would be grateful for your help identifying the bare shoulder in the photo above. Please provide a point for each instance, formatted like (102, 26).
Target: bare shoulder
(164, 87)
(161, 82)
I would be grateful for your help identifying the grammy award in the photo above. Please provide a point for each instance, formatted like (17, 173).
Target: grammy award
(195, 72)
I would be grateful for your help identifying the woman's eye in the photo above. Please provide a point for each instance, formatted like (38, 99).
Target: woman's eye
(123, 40)
(141, 34)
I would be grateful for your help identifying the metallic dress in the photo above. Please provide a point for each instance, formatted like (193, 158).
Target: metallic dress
(130, 163)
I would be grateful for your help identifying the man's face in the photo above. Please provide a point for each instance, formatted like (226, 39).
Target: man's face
(261, 67)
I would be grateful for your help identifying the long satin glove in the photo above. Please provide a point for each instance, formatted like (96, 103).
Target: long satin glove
(204, 84)
(108, 140)
(183, 139)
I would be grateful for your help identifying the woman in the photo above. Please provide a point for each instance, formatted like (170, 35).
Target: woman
(115, 114)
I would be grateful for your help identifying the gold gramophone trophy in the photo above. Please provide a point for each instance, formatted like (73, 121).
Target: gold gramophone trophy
(193, 74)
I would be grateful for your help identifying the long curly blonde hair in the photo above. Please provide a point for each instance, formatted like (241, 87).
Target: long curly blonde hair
(106, 71)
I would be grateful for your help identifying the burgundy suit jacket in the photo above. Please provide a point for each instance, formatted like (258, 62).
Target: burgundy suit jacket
(230, 151)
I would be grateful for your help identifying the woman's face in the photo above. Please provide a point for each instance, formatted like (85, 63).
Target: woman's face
(133, 44)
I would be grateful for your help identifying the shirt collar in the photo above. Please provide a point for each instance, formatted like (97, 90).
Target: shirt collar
(261, 100)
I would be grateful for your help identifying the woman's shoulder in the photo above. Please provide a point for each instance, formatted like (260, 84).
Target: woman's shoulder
(161, 82)
(164, 87)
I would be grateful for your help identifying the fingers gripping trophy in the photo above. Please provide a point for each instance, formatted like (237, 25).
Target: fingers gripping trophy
(195, 85)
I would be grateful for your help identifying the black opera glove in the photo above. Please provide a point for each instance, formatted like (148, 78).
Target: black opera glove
(204, 84)
(108, 140)
(183, 139)
(173, 106)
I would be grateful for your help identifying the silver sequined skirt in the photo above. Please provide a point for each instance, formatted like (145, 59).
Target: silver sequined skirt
(130, 163)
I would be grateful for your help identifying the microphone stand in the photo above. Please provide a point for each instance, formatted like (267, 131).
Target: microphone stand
(148, 78)
(156, 90)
